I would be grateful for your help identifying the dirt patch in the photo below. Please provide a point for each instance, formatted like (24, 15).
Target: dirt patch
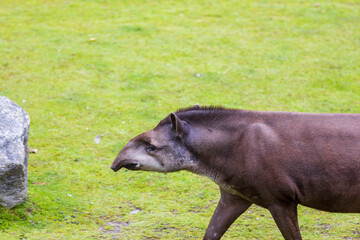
(112, 228)
(355, 232)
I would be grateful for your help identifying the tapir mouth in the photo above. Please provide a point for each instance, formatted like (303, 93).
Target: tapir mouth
(132, 166)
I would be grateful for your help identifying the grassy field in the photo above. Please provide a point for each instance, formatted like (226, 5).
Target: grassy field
(90, 67)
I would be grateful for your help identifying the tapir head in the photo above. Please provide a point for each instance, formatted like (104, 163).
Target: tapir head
(162, 149)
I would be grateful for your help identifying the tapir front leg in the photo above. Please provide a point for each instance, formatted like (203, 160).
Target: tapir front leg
(229, 208)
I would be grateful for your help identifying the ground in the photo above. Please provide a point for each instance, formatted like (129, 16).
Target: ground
(116, 68)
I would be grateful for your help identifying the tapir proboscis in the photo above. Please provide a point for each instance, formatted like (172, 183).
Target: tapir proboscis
(276, 160)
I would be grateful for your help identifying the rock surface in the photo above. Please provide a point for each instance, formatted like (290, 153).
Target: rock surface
(14, 153)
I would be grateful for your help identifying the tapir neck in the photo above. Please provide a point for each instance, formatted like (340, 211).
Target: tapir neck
(214, 144)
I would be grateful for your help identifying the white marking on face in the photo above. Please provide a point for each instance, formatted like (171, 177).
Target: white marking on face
(147, 162)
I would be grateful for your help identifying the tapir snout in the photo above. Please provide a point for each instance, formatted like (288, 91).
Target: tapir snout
(124, 160)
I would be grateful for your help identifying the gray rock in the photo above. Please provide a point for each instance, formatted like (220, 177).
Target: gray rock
(14, 153)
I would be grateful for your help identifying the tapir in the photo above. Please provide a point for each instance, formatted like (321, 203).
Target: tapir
(275, 160)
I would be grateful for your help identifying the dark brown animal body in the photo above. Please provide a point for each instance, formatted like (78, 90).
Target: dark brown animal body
(276, 160)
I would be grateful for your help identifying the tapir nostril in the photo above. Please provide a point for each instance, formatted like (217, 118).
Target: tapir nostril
(113, 168)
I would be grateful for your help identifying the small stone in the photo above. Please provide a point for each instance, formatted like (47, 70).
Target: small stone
(135, 211)
(98, 138)
(34, 151)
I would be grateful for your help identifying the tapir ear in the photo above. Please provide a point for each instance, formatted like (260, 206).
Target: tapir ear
(179, 126)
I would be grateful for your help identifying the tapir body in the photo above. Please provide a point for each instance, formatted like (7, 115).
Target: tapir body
(276, 160)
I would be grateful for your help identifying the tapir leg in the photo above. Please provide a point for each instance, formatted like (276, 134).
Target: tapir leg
(285, 216)
(229, 208)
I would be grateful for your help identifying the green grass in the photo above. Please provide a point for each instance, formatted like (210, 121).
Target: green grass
(148, 59)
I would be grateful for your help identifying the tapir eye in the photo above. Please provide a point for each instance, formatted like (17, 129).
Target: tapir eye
(150, 148)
